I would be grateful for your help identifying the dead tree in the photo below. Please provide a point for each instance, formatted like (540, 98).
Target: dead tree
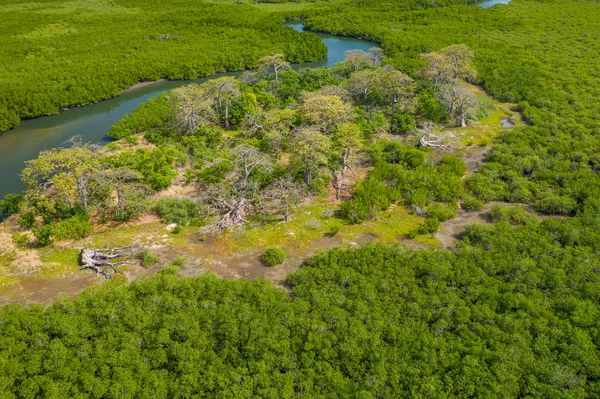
(431, 135)
(104, 261)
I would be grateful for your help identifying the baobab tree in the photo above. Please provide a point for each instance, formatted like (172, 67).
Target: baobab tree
(283, 195)
(357, 59)
(68, 171)
(311, 148)
(273, 63)
(433, 135)
(459, 100)
(438, 68)
(246, 159)
(235, 195)
(460, 59)
(325, 111)
(397, 86)
(363, 83)
(191, 108)
(345, 142)
(223, 92)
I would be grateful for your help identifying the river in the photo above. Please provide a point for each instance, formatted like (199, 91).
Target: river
(92, 121)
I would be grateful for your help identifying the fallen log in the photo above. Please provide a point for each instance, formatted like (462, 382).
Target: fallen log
(104, 261)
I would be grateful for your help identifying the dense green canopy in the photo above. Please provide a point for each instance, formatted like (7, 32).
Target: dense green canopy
(56, 54)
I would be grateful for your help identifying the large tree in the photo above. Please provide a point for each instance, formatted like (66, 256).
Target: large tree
(325, 112)
(311, 147)
(191, 108)
(274, 63)
(459, 101)
(223, 91)
(345, 142)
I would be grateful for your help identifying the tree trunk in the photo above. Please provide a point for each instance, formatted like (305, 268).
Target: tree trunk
(81, 183)
(307, 176)
(227, 115)
(276, 73)
(287, 217)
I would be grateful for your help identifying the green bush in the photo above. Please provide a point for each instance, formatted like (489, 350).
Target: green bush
(553, 204)
(177, 210)
(20, 239)
(10, 204)
(431, 225)
(43, 234)
(273, 256)
(511, 214)
(26, 220)
(74, 228)
(176, 230)
(402, 123)
(472, 204)
(441, 212)
(147, 258)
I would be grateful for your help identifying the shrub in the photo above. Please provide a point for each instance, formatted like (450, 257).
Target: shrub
(20, 239)
(402, 123)
(26, 220)
(431, 225)
(273, 256)
(10, 204)
(147, 258)
(334, 230)
(43, 234)
(553, 204)
(511, 214)
(178, 261)
(176, 230)
(74, 228)
(472, 204)
(177, 210)
(441, 212)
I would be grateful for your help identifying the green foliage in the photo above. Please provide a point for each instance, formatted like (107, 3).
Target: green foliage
(177, 210)
(440, 212)
(70, 53)
(10, 204)
(376, 318)
(151, 114)
(273, 256)
(147, 258)
(26, 219)
(20, 239)
(402, 123)
(76, 227)
(400, 173)
(43, 234)
(176, 230)
(511, 214)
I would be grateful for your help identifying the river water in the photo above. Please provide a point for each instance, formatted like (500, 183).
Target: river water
(92, 122)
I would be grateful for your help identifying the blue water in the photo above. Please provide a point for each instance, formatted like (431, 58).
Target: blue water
(491, 3)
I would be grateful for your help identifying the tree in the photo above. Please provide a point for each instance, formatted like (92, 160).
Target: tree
(283, 195)
(397, 86)
(357, 59)
(128, 189)
(377, 56)
(273, 63)
(191, 108)
(235, 195)
(223, 92)
(433, 135)
(246, 159)
(460, 59)
(67, 171)
(363, 83)
(311, 147)
(438, 68)
(458, 100)
(325, 111)
(345, 141)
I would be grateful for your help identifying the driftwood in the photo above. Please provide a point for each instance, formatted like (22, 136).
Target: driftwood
(105, 260)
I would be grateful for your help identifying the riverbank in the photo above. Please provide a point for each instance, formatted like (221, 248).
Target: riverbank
(139, 85)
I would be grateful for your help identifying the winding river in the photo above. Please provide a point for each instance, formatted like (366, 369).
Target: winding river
(92, 122)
